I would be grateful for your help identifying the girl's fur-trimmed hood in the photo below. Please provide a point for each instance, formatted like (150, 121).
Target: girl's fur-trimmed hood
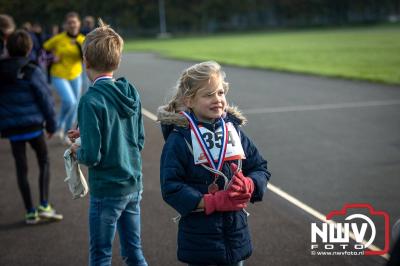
(171, 118)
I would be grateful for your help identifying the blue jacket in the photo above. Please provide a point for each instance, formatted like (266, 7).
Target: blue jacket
(219, 238)
(26, 103)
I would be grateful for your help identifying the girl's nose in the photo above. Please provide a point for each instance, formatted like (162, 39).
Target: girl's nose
(217, 97)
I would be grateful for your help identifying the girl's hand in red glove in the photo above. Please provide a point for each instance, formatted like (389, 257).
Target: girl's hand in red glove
(240, 184)
(220, 201)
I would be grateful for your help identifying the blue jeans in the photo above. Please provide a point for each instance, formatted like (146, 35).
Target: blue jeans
(69, 92)
(105, 216)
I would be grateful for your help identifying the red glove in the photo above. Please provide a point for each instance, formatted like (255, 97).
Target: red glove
(240, 184)
(220, 201)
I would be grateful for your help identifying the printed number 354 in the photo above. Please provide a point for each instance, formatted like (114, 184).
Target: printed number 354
(216, 139)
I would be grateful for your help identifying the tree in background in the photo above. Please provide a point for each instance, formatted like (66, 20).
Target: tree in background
(140, 17)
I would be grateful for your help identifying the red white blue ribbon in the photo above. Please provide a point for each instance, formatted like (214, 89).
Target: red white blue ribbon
(102, 77)
(205, 149)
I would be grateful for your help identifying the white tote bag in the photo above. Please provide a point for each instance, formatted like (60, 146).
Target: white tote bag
(75, 179)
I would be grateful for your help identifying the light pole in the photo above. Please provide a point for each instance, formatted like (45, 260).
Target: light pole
(163, 25)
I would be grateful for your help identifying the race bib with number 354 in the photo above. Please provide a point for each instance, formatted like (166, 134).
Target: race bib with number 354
(234, 149)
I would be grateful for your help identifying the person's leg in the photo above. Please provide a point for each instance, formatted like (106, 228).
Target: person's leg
(76, 86)
(45, 210)
(129, 232)
(19, 153)
(39, 146)
(68, 101)
(103, 216)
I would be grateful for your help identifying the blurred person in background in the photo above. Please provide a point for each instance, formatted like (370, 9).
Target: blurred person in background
(394, 259)
(66, 70)
(40, 37)
(395, 254)
(35, 52)
(54, 30)
(26, 107)
(38, 31)
(7, 26)
(88, 26)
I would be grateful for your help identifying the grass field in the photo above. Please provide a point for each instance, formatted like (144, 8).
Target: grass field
(368, 53)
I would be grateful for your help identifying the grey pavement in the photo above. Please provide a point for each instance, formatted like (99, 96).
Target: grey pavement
(328, 142)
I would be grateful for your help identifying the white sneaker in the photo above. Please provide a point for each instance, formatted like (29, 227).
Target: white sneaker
(49, 213)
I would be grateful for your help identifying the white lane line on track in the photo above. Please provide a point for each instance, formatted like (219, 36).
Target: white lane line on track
(291, 199)
(149, 114)
(285, 109)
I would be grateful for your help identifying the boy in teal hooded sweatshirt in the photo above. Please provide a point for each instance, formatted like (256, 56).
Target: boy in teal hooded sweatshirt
(112, 136)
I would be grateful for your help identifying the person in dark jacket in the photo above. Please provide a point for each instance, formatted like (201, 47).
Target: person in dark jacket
(210, 170)
(26, 106)
(395, 254)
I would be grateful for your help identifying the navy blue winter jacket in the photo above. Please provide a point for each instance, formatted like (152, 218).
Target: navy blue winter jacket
(219, 238)
(26, 104)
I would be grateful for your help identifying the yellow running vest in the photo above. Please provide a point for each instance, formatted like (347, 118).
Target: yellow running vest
(64, 47)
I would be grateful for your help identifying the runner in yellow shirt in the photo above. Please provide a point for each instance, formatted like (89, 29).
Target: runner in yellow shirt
(66, 70)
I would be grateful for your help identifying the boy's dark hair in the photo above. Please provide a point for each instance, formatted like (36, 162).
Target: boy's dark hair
(19, 43)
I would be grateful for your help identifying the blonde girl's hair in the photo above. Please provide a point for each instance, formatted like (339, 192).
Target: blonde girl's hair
(191, 80)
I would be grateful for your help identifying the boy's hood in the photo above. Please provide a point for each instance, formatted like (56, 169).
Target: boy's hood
(119, 93)
(10, 68)
(169, 119)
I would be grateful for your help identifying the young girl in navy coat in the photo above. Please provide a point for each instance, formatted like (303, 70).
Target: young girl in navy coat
(210, 170)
